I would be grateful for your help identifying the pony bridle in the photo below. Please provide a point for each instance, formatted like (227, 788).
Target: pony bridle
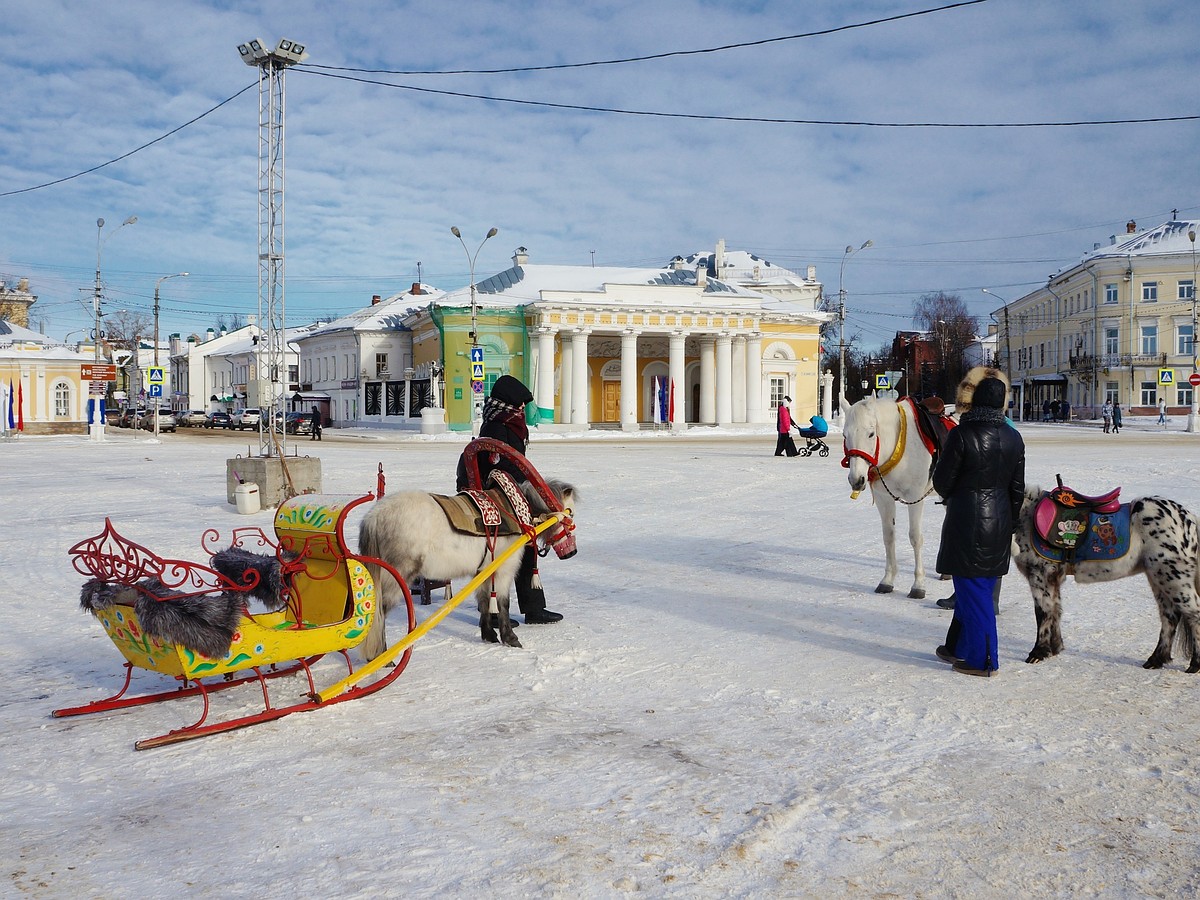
(875, 471)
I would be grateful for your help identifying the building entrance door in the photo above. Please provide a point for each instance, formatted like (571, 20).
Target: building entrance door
(611, 411)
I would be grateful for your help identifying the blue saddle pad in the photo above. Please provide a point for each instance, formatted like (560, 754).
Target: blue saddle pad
(1107, 537)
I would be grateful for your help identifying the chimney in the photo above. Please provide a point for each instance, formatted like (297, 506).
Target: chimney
(719, 258)
(1131, 227)
(210, 335)
(812, 273)
(375, 298)
(677, 264)
(520, 257)
(416, 288)
(702, 275)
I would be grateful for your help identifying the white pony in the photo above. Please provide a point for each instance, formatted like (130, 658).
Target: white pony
(882, 448)
(410, 532)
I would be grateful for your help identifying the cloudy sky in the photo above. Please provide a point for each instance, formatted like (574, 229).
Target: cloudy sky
(744, 137)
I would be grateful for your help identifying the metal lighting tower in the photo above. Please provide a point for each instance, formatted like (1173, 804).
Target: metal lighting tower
(850, 251)
(492, 232)
(97, 404)
(272, 342)
(156, 286)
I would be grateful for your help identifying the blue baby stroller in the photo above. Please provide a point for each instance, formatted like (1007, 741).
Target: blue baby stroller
(813, 435)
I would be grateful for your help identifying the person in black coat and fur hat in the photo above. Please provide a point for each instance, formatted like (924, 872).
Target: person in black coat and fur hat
(981, 476)
(504, 420)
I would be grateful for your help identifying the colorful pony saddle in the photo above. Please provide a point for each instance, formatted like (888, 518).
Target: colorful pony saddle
(1071, 527)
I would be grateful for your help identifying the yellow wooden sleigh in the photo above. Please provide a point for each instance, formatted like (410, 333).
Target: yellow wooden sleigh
(327, 601)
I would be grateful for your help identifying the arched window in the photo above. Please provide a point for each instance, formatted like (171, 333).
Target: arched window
(62, 400)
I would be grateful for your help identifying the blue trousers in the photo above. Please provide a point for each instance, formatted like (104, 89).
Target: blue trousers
(977, 643)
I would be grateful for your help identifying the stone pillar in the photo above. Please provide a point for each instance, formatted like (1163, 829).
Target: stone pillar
(754, 385)
(629, 379)
(827, 395)
(678, 386)
(724, 393)
(544, 392)
(579, 378)
(739, 378)
(565, 369)
(708, 393)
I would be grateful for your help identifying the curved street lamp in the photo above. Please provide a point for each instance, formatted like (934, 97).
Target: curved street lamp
(475, 411)
(850, 251)
(97, 426)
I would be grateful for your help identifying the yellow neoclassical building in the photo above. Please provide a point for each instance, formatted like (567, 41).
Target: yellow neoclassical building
(712, 339)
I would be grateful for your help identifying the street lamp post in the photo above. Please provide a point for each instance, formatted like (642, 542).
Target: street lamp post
(474, 308)
(1007, 338)
(97, 405)
(850, 251)
(1191, 422)
(156, 285)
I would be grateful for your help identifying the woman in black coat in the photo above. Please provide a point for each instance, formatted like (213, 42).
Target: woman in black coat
(504, 420)
(981, 477)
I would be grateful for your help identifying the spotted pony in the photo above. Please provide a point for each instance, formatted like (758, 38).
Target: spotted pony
(1164, 544)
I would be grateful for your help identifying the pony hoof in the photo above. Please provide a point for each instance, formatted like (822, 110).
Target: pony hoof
(916, 594)
(515, 642)
(1194, 667)
(1036, 656)
(489, 637)
(883, 588)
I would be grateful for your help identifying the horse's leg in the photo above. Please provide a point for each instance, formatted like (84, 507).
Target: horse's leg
(483, 599)
(887, 518)
(1177, 608)
(917, 591)
(1045, 583)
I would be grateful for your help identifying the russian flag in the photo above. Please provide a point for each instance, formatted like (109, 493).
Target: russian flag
(12, 423)
(654, 405)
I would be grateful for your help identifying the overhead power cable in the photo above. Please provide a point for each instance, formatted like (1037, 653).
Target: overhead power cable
(633, 59)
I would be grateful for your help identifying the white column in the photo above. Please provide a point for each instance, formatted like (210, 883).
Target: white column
(739, 378)
(579, 378)
(827, 395)
(565, 369)
(629, 380)
(754, 385)
(545, 374)
(675, 368)
(708, 395)
(724, 378)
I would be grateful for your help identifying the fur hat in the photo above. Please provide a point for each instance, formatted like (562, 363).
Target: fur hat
(511, 391)
(966, 388)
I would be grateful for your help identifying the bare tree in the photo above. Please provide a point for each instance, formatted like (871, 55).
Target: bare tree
(951, 329)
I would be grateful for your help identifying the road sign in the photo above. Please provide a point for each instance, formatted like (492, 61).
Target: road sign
(97, 372)
(1166, 376)
(1194, 379)
(883, 382)
(155, 376)
(477, 387)
(156, 390)
(476, 354)
(477, 371)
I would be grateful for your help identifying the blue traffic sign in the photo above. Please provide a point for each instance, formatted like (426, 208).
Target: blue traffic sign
(156, 390)
(476, 354)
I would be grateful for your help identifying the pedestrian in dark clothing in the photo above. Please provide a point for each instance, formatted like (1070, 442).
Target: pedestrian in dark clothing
(783, 424)
(981, 476)
(1066, 411)
(1055, 409)
(316, 425)
(1046, 410)
(504, 420)
(1116, 418)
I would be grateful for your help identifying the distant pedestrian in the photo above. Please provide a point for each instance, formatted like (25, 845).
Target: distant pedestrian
(783, 424)
(1055, 409)
(1066, 411)
(1046, 410)
(1116, 418)
(1106, 414)
(1162, 410)
(316, 425)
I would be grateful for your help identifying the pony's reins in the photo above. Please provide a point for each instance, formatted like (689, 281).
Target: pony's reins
(877, 471)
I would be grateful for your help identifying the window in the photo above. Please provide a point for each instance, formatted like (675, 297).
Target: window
(1149, 393)
(1187, 289)
(1111, 340)
(1184, 339)
(1183, 394)
(778, 390)
(1149, 340)
(1110, 293)
(62, 400)
(1110, 391)
(381, 364)
(1149, 291)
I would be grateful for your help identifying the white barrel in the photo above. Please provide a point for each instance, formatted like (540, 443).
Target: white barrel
(245, 495)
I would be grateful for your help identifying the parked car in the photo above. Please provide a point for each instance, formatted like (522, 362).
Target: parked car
(218, 419)
(166, 420)
(129, 417)
(245, 418)
(190, 418)
(298, 423)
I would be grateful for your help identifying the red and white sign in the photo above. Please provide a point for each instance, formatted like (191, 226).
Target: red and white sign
(1194, 379)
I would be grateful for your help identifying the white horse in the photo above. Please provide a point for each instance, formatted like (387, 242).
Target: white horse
(411, 533)
(882, 448)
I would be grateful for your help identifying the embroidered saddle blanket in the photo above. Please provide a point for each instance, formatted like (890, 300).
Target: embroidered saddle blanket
(498, 510)
(1071, 527)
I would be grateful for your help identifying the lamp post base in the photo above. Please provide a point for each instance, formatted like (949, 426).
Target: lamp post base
(96, 432)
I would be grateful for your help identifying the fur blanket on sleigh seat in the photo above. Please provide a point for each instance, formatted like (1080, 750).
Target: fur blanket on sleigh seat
(204, 624)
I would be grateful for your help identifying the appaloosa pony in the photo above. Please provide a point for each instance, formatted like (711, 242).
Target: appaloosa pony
(1151, 535)
(883, 447)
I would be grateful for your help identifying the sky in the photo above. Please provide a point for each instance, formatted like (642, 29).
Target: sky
(380, 166)
(727, 709)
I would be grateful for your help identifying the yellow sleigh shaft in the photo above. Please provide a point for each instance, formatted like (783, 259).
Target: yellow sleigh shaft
(428, 625)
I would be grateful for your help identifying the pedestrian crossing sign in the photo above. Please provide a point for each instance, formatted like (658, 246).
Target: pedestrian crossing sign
(883, 382)
(1166, 376)
(477, 371)
(156, 375)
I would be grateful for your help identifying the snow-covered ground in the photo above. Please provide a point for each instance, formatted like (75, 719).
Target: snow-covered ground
(727, 710)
